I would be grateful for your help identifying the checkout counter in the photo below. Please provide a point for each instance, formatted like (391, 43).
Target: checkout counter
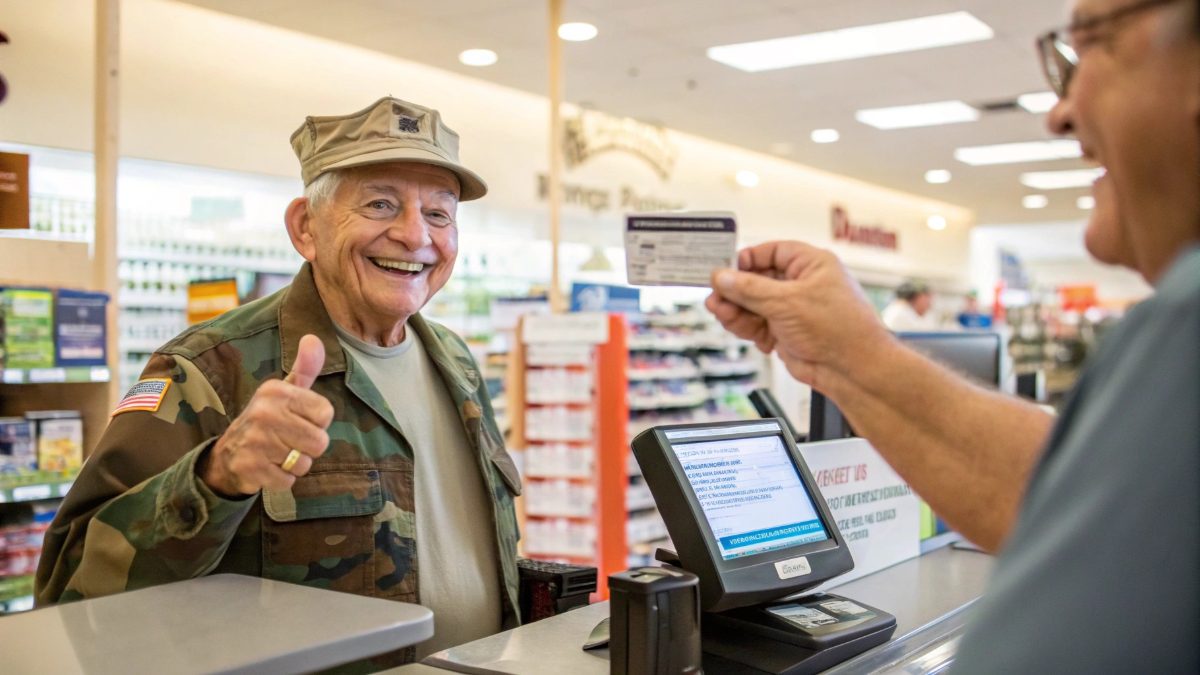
(753, 534)
(930, 596)
(751, 527)
(172, 628)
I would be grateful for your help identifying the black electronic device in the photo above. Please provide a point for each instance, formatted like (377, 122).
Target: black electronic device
(549, 588)
(746, 517)
(973, 354)
(742, 510)
(654, 627)
(766, 405)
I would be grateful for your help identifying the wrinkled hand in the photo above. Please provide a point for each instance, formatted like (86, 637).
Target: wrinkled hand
(801, 302)
(282, 415)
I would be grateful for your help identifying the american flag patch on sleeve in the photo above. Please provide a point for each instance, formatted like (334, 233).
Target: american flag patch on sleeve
(145, 395)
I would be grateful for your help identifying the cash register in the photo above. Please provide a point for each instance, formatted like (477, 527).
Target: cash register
(746, 517)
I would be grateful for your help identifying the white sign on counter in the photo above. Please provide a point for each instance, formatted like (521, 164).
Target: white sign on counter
(876, 511)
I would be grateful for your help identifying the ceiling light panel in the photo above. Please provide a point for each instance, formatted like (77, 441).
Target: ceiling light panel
(921, 115)
(1014, 153)
(1061, 180)
(825, 136)
(577, 31)
(894, 37)
(1041, 102)
(746, 178)
(478, 57)
(1035, 201)
(937, 176)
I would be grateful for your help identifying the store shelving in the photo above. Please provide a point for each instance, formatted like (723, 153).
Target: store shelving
(16, 594)
(28, 500)
(276, 260)
(672, 368)
(567, 405)
(34, 487)
(683, 369)
(55, 375)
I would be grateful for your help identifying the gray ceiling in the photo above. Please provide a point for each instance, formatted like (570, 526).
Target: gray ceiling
(648, 52)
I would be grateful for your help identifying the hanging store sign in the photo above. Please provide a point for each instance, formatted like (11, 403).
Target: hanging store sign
(14, 191)
(862, 235)
(591, 133)
(1012, 271)
(605, 298)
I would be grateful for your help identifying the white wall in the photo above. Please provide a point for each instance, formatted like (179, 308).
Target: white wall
(207, 89)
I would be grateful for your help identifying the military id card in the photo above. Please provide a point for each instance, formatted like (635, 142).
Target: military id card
(680, 248)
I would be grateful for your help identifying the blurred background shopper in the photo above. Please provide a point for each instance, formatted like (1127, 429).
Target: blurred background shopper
(911, 310)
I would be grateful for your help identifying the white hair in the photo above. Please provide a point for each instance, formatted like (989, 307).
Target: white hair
(323, 189)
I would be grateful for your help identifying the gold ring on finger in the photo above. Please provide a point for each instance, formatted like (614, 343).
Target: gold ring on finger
(290, 460)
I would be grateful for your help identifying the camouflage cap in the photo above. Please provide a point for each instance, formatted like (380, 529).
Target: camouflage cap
(389, 130)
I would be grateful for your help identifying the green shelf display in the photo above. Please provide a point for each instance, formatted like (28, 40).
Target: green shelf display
(32, 487)
(16, 588)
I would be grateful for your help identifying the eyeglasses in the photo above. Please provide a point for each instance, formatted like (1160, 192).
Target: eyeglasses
(1057, 50)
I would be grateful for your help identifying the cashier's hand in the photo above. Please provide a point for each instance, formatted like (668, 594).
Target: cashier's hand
(281, 416)
(801, 302)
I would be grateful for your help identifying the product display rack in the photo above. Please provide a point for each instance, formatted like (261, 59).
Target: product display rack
(584, 490)
(683, 369)
(28, 500)
(567, 407)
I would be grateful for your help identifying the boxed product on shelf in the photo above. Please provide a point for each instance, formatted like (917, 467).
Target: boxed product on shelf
(27, 325)
(18, 450)
(558, 460)
(558, 423)
(558, 385)
(645, 528)
(81, 328)
(560, 537)
(20, 548)
(655, 395)
(59, 438)
(559, 498)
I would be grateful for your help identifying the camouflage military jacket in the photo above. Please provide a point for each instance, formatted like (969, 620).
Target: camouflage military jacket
(138, 515)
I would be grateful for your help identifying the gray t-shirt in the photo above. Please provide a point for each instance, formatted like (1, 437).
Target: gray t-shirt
(456, 537)
(1101, 573)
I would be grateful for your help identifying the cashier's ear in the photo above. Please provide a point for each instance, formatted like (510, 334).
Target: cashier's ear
(299, 220)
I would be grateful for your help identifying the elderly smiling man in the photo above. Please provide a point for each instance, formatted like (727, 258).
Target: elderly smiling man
(326, 435)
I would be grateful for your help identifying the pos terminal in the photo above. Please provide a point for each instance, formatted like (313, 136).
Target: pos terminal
(748, 520)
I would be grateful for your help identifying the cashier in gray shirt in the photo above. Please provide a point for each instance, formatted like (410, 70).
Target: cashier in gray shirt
(1096, 515)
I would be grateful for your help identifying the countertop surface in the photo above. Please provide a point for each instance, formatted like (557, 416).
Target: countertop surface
(218, 624)
(918, 592)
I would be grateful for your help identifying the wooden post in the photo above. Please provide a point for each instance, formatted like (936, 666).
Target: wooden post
(554, 178)
(107, 152)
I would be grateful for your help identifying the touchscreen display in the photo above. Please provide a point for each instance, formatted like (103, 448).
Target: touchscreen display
(751, 494)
